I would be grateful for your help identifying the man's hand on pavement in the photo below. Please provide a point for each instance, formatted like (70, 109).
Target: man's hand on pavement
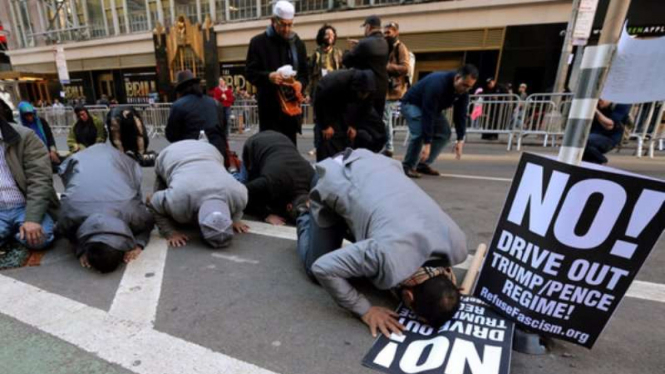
(84, 261)
(275, 220)
(240, 227)
(276, 78)
(132, 255)
(32, 233)
(177, 239)
(328, 133)
(383, 319)
(459, 146)
(424, 154)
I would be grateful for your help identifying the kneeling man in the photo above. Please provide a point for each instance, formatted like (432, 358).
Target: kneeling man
(102, 212)
(403, 240)
(193, 186)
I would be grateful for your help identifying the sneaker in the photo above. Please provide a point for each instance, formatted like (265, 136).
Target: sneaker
(411, 173)
(427, 170)
(387, 153)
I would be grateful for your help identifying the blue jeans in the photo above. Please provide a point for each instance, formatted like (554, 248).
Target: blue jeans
(12, 219)
(315, 241)
(440, 136)
(596, 147)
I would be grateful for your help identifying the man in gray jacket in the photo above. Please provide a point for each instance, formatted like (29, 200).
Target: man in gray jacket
(193, 182)
(102, 209)
(403, 240)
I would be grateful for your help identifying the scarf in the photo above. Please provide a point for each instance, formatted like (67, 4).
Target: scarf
(426, 273)
(293, 48)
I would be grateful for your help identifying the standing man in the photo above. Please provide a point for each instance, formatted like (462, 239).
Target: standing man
(429, 130)
(371, 53)
(224, 95)
(398, 80)
(326, 59)
(276, 47)
(402, 240)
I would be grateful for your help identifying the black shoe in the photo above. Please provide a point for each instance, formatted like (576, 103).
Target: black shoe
(411, 173)
(387, 153)
(427, 170)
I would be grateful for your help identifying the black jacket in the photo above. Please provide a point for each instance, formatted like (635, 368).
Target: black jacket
(277, 173)
(192, 113)
(372, 53)
(335, 92)
(268, 52)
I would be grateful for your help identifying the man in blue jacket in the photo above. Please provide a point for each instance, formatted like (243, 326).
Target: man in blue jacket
(429, 130)
(606, 130)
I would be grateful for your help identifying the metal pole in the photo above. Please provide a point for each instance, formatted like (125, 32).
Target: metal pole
(148, 15)
(198, 11)
(105, 18)
(116, 21)
(213, 11)
(595, 65)
(86, 18)
(566, 50)
(258, 8)
(128, 28)
(227, 10)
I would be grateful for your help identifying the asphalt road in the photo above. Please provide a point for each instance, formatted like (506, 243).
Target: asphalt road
(251, 309)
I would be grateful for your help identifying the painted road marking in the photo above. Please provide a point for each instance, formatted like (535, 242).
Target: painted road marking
(136, 347)
(639, 289)
(476, 177)
(234, 258)
(139, 290)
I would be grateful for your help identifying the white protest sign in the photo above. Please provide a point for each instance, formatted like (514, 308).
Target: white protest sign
(475, 341)
(568, 244)
(584, 21)
(636, 74)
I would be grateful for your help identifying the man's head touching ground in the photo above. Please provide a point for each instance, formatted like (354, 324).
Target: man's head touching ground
(102, 257)
(435, 301)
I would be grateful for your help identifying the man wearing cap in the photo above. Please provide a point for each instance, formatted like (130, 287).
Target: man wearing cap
(192, 186)
(102, 212)
(194, 112)
(341, 106)
(278, 177)
(398, 68)
(397, 231)
(276, 47)
(429, 130)
(371, 53)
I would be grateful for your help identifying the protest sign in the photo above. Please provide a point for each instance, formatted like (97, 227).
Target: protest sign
(568, 244)
(476, 341)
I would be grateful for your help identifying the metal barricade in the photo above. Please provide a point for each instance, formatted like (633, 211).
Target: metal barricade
(243, 117)
(493, 114)
(648, 127)
(60, 119)
(545, 115)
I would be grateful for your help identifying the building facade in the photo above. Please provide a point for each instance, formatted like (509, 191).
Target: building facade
(112, 47)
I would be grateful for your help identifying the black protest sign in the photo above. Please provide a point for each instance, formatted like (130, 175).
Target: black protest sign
(568, 244)
(476, 341)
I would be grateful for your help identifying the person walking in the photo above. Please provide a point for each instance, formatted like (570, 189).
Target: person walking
(429, 130)
(398, 81)
(269, 51)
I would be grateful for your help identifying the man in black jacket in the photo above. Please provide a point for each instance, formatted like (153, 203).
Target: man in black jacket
(276, 47)
(278, 177)
(194, 113)
(372, 53)
(344, 113)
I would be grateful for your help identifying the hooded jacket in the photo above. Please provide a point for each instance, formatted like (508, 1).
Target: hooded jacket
(38, 125)
(188, 173)
(81, 135)
(103, 201)
(397, 226)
